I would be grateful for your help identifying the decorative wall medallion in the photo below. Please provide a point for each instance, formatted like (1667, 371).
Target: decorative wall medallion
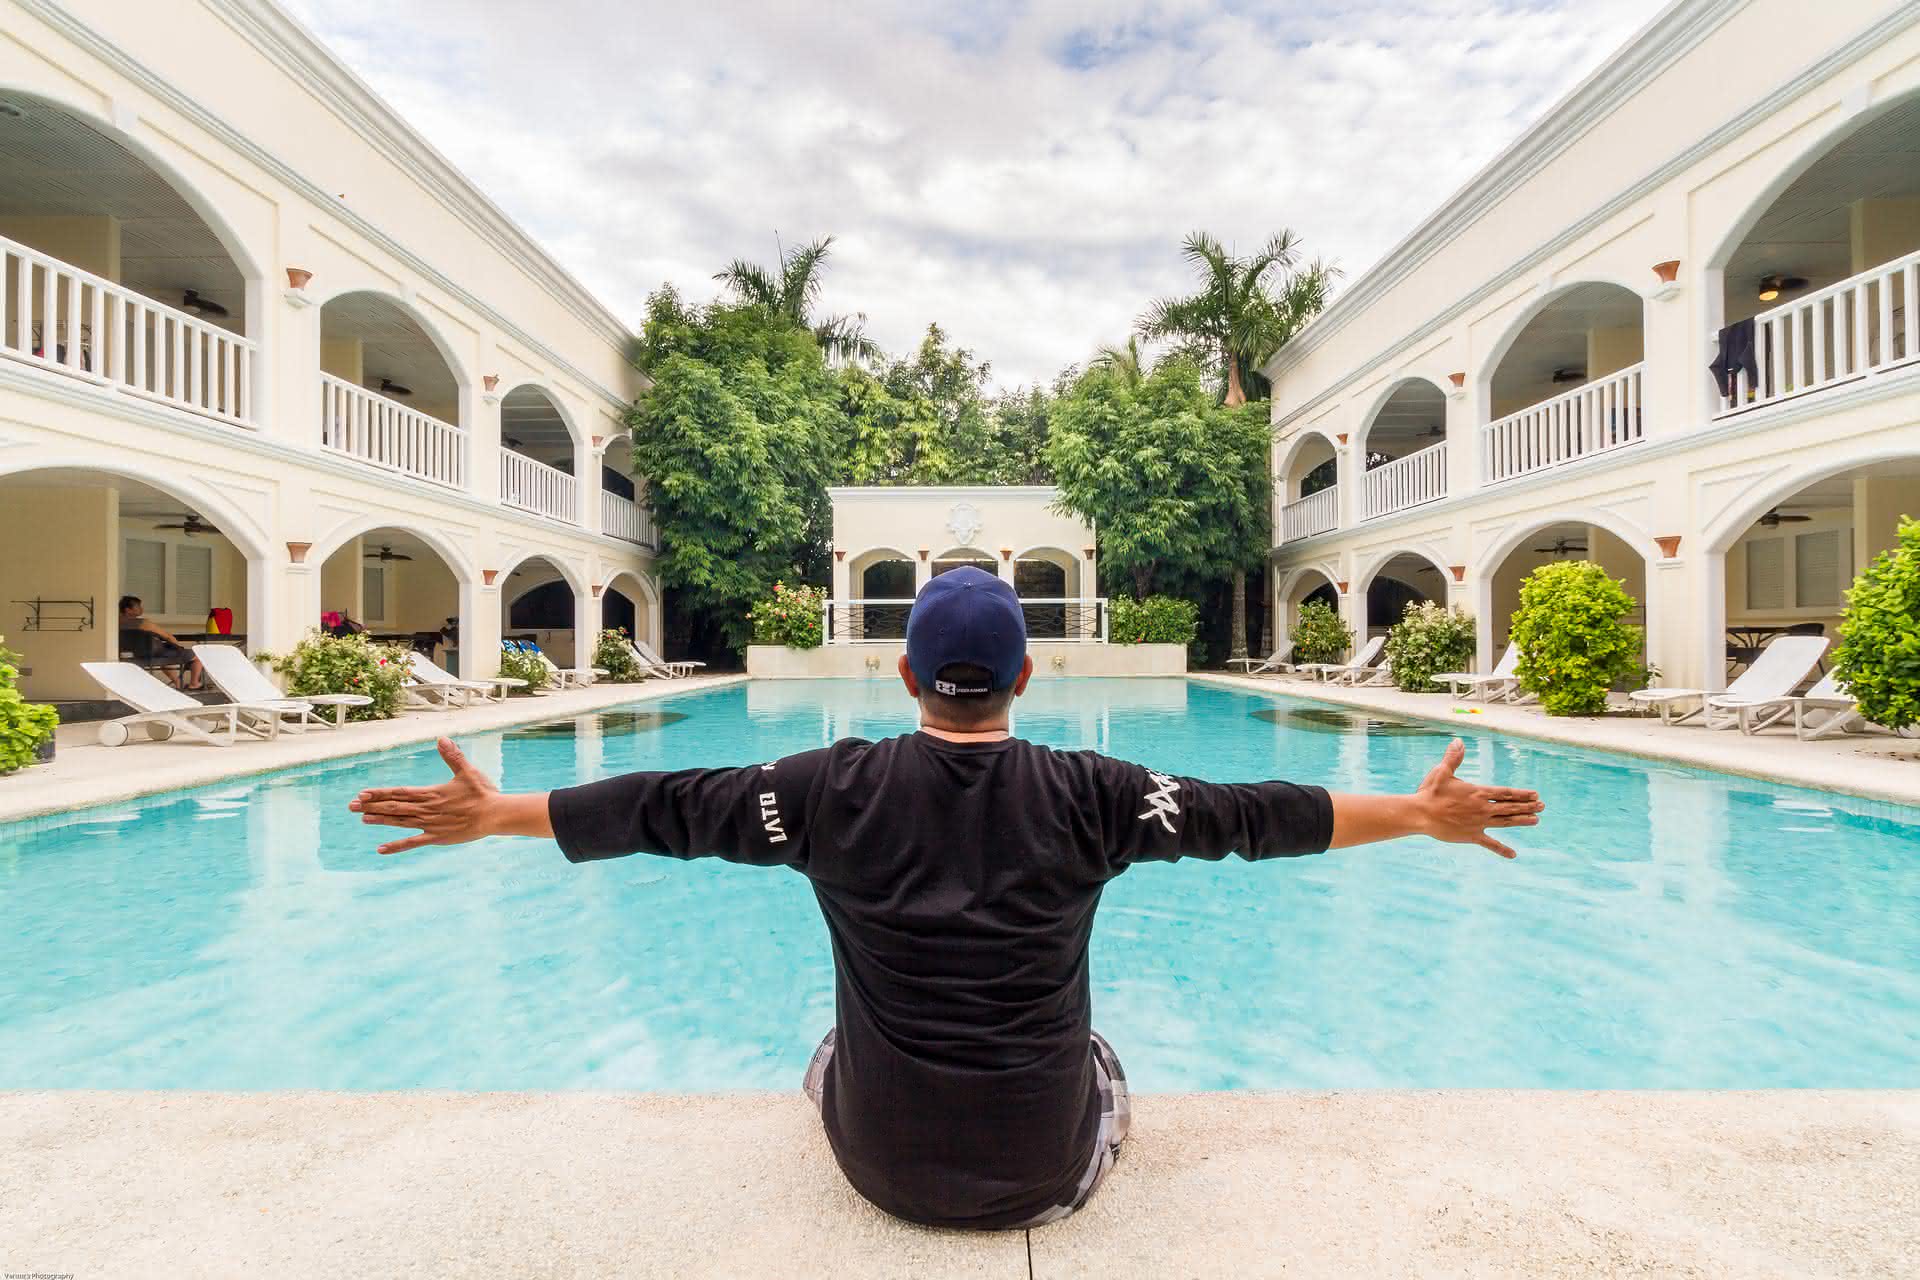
(965, 522)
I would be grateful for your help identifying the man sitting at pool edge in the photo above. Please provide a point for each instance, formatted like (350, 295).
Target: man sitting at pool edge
(958, 869)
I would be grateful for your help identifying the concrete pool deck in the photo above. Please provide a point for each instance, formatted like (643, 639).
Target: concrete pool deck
(1875, 766)
(85, 773)
(1532, 1184)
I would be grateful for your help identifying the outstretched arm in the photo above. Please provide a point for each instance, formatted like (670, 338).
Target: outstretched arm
(1445, 807)
(465, 807)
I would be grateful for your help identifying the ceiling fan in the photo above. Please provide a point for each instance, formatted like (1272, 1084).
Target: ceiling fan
(388, 387)
(1773, 519)
(1562, 547)
(1772, 287)
(387, 554)
(192, 301)
(1569, 375)
(190, 524)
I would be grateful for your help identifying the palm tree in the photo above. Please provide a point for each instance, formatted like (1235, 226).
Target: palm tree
(1242, 321)
(1127, 363)
(790, 293)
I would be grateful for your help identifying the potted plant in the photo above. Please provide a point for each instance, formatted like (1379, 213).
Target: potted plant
(26, 728)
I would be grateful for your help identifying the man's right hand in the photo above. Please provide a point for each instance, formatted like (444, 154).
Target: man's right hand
(465, 807)
(1458, 811)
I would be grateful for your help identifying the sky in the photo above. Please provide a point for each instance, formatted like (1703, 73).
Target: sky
(1021, 173)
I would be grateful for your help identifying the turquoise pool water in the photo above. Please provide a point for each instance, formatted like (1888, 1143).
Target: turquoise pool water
(1667, 928)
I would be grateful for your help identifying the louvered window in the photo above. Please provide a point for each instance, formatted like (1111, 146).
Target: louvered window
(143, 572)
(1818, 568)
(192, 581)
(373, 593)
(1767, 573)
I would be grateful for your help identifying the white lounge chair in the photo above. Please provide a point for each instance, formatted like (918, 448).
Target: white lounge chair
(1840, 712)
(565, 677)
(1770, 680)
(1342, 672)
(680, 668)
(1275, 661)
(1499, 683)
(230, 668)
(165, 712)
(434, 690)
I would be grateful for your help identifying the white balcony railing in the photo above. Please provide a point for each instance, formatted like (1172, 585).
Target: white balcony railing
(1406, 482)
(624, 518)
(1604, 414)
(1855, 329)
(385, 433)
(62, 318)
(536, 487)
(1315, 513)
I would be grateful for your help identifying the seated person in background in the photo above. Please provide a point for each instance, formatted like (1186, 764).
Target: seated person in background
(154, 646)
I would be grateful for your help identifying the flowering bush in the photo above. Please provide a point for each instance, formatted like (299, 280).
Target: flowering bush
(345, 664)
(1429, 637)
(613, 655)
(517, 664)
(1155, 620)
(1573, 643)
(791, 616)
(1319, 635)
(1879, 657)
(23, 725)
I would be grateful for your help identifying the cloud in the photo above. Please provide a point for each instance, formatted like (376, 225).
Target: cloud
(1021, 173)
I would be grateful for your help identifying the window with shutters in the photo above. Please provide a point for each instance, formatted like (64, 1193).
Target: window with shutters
(1817, 568)
(1767, 573)
(143, 572)
(373, 593)
(192, 581)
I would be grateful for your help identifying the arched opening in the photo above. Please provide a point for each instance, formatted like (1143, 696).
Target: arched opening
(1309, 487)
(1567, 383)
(1550, 542)
(1051, 574)
(80, 203)
(539, 601)
(630, 603)
(537, 450)
(1403, 579)
(390, 394)
(74, 540)
(958, 557)
(1297, 589)
(1784, 562)
(882, 579)
(394, 584)
(1819, 289)
(1404, 447)
(622, 512)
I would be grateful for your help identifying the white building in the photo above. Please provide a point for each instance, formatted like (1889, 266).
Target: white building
(241, 294)
(1526, 376)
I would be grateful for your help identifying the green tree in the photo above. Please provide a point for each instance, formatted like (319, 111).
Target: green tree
(1246, 309)
(1126, 363)
(1573, 639)
(737, 437)
(1162, 470)
(1878, 661)
(924, 420)
(791, 290)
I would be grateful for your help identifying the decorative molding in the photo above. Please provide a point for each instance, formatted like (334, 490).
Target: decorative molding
(839, 555)
(597, 589)
(1087, 552)
(841, 493)
(490, 388)
(925, 552)
(487, 576)
(297, 277)
(1006, 553)
(1668, 283)
(307, 61)
(1669, 545)
(297, 551)
(1459, 572)
(1341, 586)
(1471, 203)
(1342, 437)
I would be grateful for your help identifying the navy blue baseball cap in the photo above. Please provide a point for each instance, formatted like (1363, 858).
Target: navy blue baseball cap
(966, 616)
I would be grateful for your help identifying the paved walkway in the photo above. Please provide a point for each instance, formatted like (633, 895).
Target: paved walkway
(83, 772)
(1529, 1184)
(1878, 766)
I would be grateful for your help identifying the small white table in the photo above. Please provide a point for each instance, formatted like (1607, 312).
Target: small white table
(339, 702)
(1667, 700)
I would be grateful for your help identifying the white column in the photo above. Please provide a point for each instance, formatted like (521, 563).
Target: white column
(479, 630)
(586, 626)
(922, 570)
(586, 484)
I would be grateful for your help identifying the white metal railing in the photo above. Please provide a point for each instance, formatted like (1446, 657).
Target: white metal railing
(1406, 482)
(1315, 513)
(385, 433)
(622, 517)
(536, 487)
(1604, 414)
(1854, 329)
(880, 621)
(60, 317)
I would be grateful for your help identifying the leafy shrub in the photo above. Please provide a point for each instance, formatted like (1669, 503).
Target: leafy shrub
(1155, 620)
(1879, 656)
(1429, 637)
(517, 664)
(345, 664)
(1573, 643)
(793, 616)
(23, 725)
(612, 655)
(1319, 635)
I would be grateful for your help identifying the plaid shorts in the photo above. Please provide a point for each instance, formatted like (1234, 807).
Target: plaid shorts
(1116, 1116)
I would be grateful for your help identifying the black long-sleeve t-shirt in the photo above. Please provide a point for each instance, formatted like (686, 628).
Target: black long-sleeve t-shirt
(958, 882)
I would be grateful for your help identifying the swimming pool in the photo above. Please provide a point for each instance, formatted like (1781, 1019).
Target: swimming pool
(1667, 928)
